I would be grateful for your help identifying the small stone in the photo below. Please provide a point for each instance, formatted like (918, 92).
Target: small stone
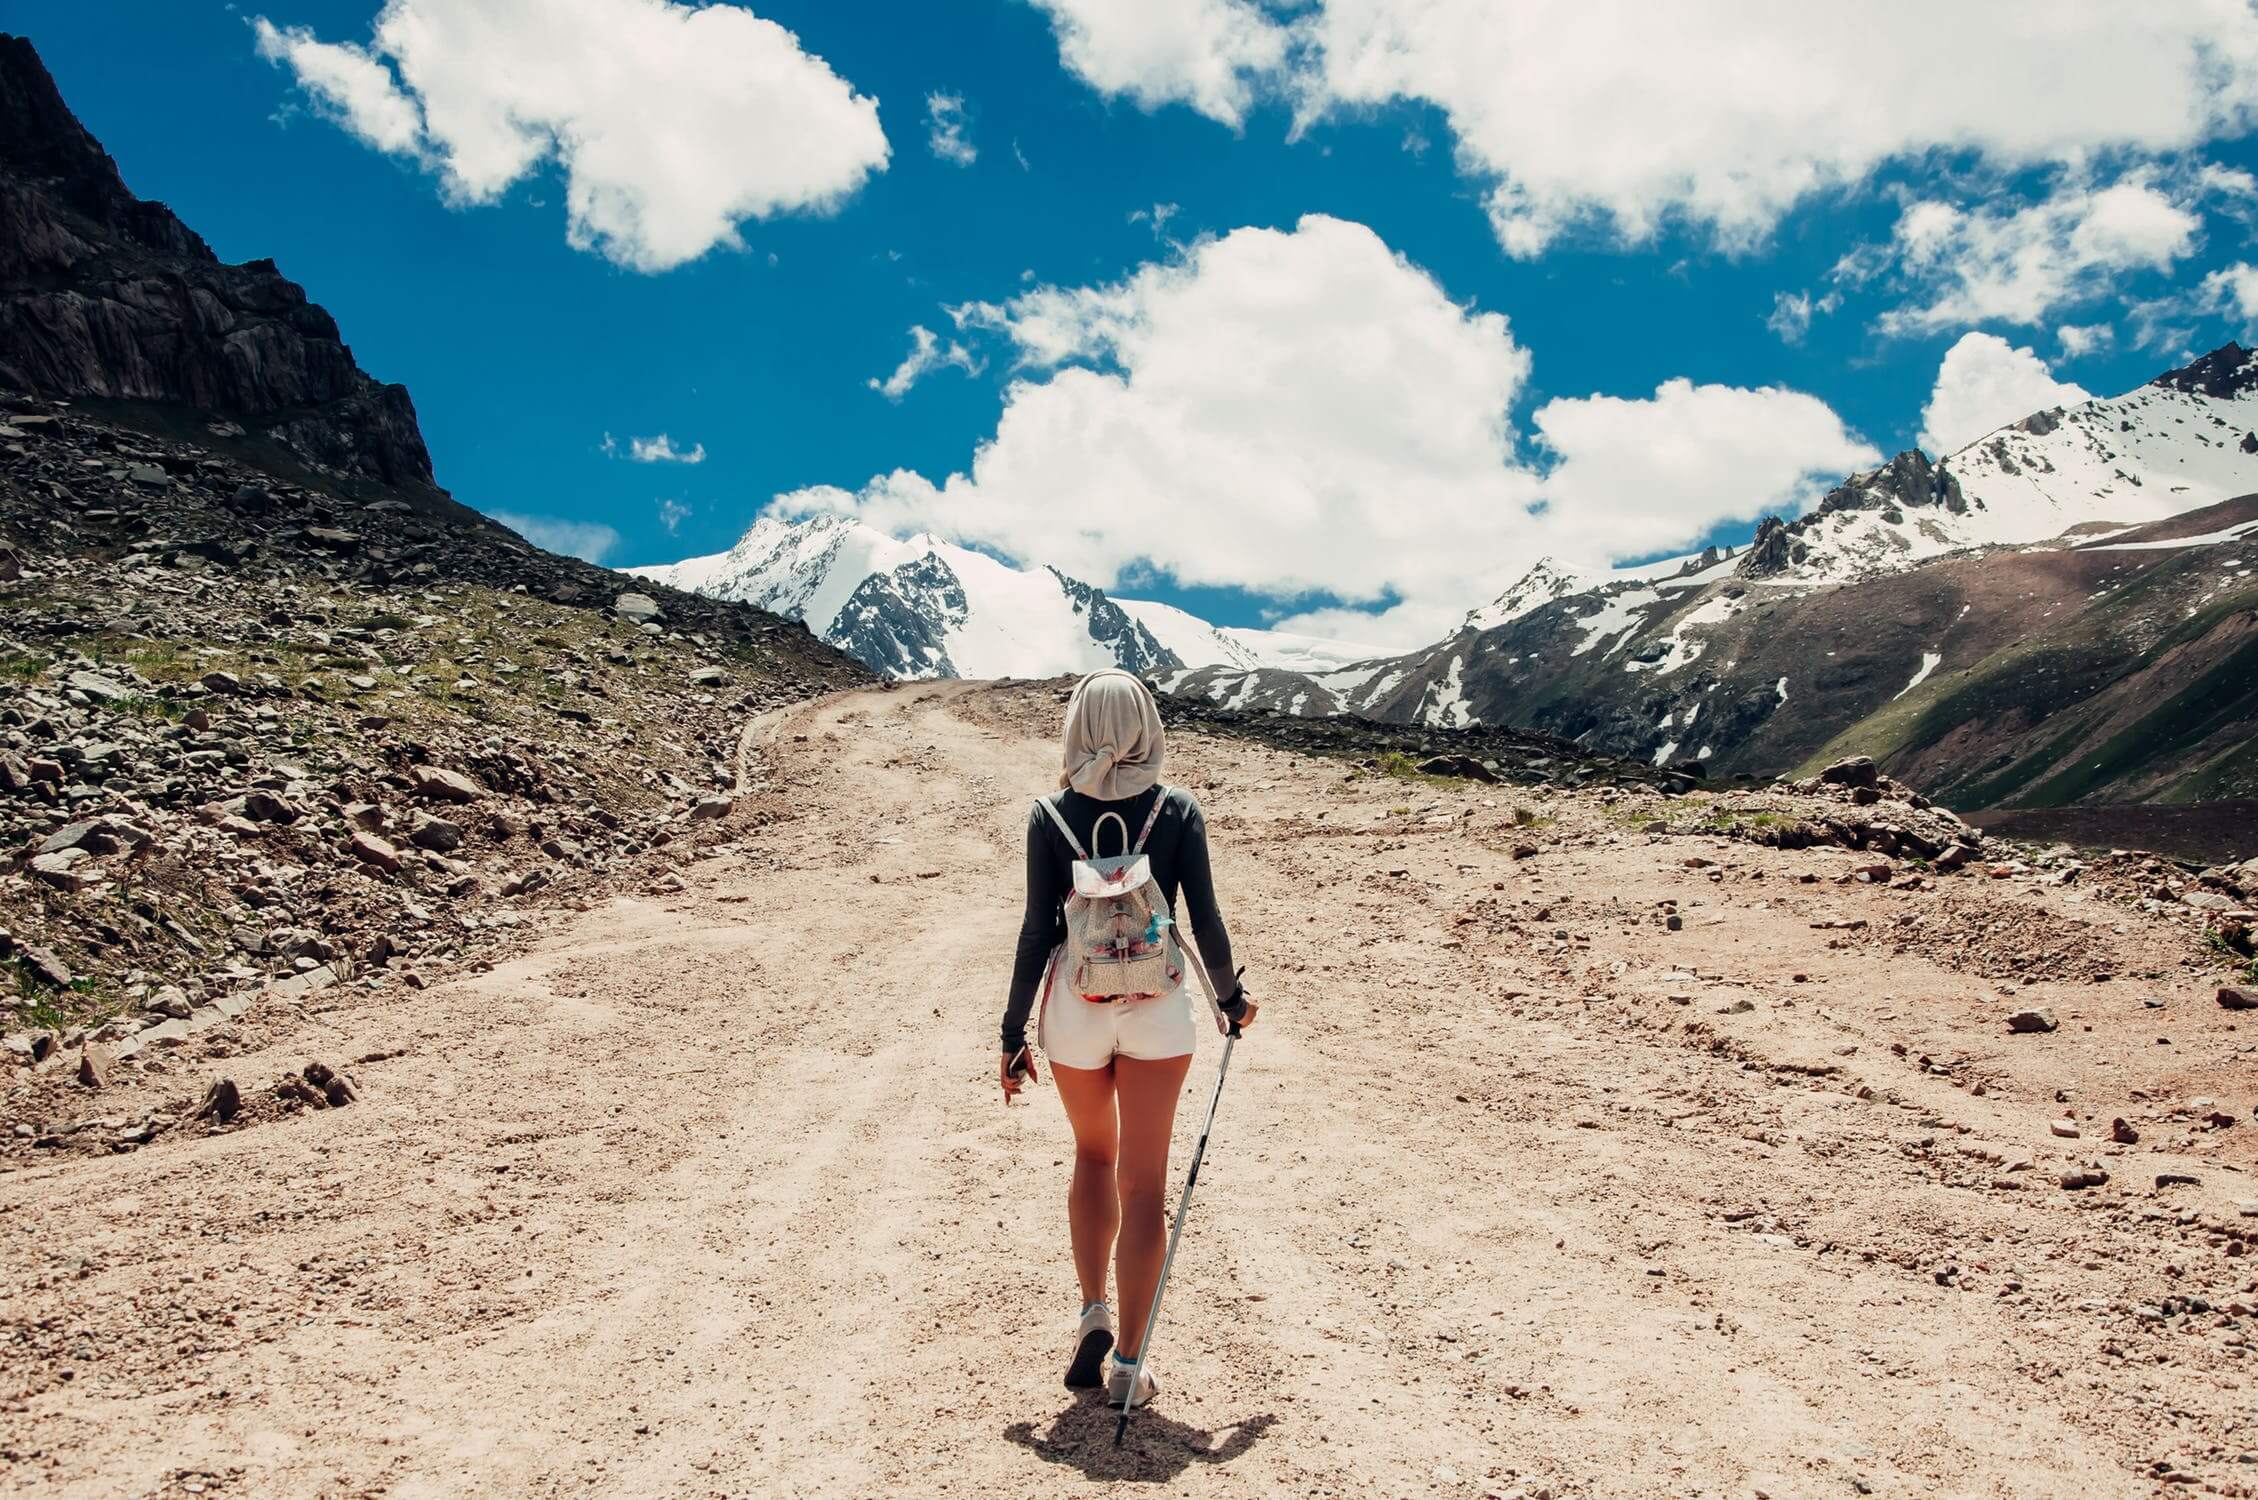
(97, 1066)
(337, 1090)
(709, 677)
(225, 684)
(641, 608)
(713, 807)
(263, 806)
(437, 835)
(222, 1100)
(44, 965)
(71, 835)
(99, 686)
(441, 784)
(2035, 1019)
(371, 850)
(2066, 1129)
(1856, 770)
(2083, 1177)
(2238, 997)
(2122, 1132)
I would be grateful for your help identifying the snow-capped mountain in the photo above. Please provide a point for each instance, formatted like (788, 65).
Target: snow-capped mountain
(1898, 585)
(927, 608)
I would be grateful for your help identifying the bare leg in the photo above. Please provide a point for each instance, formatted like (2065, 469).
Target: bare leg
(1093, 1209)
(1148, 1093)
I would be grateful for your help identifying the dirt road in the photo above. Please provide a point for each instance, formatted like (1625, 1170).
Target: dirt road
(1520, 1189)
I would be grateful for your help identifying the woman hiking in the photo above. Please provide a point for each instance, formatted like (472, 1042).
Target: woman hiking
(1119, 1059)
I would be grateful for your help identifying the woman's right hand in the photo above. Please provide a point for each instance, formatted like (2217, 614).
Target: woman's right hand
(1013, 1082)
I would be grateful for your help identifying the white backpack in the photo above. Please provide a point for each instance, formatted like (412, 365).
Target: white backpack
(1120, 941)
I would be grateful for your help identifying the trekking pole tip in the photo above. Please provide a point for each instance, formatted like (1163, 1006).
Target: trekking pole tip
(1120, 1428)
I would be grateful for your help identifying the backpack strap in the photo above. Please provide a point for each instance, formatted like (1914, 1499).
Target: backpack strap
(1072, 842)
(1160, 799)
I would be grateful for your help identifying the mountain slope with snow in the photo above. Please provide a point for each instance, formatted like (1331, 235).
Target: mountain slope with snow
(923, 607)
(2053, 549)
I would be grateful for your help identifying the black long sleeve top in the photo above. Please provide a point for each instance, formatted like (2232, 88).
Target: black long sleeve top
(1178, 852)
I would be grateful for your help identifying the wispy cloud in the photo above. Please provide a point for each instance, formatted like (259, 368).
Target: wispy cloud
(655, 450)
(672, 513)
(1792, 313)
(945, 126)
(590, 541)
(1157, 216)
(926, 354)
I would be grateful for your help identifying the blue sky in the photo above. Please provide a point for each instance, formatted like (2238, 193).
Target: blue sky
(523, 352)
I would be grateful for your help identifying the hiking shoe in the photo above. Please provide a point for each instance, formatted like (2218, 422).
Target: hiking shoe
(1091, 1342)
(1118, 1372)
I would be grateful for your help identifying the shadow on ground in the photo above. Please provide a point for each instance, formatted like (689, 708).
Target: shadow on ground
(1157, 1448)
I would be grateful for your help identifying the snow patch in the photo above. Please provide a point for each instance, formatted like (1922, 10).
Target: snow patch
(1929, 661)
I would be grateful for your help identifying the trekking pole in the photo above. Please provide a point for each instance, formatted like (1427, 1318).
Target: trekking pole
(1152, 1317)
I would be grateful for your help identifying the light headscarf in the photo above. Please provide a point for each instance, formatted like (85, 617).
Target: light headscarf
(1114, 743)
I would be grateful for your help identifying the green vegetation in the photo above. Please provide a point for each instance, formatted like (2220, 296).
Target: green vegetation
(1733, 820)
(2242, 963)
(2226, 694)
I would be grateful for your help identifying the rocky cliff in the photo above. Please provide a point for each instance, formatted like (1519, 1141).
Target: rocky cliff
(106, 295)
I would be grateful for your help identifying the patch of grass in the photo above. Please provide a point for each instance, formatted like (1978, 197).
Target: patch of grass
(1403, 766)
(2234, 958)
(26, 668)
(77, 1004)
(1529, 817)
(1726, 820)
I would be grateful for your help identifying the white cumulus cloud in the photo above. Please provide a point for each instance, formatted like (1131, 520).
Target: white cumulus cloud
(1624, 113)
(2018, 262)
(2081, 339)
(1655, 474)
(2232, 290)
(590, 541)
(1214, 55)
(671, 123)
(1306, 412)
(1983, 384)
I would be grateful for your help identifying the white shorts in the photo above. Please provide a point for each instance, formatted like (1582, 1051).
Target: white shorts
(1079, 1033)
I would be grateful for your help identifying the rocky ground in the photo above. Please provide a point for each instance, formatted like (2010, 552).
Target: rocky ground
(1589, 1144)
(257, 732)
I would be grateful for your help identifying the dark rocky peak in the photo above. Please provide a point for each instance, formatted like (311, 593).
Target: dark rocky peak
(1906, 480)
(40, 138)
(2227, 371)
(106, 296)
(1133, 646)
(1770, 553)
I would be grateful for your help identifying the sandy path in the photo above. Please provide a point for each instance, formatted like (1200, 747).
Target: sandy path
(712, 1194)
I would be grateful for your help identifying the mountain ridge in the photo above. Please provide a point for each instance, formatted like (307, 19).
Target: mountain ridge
(923, 607)
(1768, 657)
(107, 295)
